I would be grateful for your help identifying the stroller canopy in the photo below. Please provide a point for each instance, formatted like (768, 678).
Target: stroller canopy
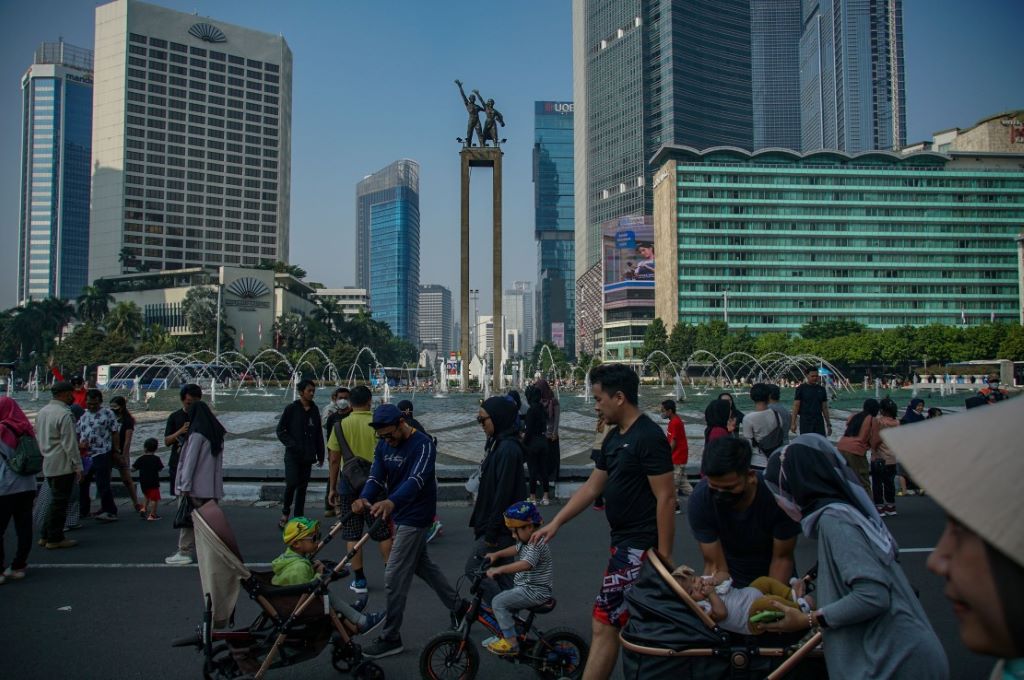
(221, 569)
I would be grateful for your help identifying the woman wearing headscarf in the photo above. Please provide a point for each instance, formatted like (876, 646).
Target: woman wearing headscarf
(872, 622)
(553, 412)
(502, 480)
(17, 492)
(200, 470)
(856, 441)
(735, 412)
(718, 421)
(972, 466)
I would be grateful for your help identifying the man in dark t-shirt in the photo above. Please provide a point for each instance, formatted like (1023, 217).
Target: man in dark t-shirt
(634, 473)
(810, 407)
(734, 517)
(177, 428)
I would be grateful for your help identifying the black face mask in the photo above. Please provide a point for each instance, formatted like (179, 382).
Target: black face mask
(726, 500)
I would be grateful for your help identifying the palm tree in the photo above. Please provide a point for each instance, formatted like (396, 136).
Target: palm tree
(59, 313)
(125, 319)
(93, 304)
(282, 268)
(126, 259)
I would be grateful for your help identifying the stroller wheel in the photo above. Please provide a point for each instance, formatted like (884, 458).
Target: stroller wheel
(345, 656)
(368, 670)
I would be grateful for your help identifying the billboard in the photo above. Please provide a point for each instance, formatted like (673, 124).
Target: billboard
(558, 334)
(628, 250)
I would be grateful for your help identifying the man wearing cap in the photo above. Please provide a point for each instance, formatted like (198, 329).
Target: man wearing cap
(971, 465)
(402, 486)
(62, 461)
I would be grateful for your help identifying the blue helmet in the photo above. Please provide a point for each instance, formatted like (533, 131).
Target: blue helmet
(521, 514)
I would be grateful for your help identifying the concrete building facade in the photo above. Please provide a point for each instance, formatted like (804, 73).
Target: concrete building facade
(351, 301)
(437, 322)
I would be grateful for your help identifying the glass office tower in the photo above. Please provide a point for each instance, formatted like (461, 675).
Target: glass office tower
(554, 220)
(776, 239)
(55, 173)
(436, 322)
(775, 28)
(388, 245)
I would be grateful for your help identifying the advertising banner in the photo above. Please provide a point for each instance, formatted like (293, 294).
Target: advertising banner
(628, 250)
(558, 334)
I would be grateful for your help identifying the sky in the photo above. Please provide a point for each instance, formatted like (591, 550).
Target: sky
(373, 83)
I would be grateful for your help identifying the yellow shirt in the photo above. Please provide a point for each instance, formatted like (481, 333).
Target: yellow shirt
(361, 438)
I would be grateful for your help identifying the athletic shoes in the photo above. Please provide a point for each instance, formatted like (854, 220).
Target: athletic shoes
(489, 641)
(371, 621)
(358, 586)
(106, 517)
(152, 518)
(503, 647)
(380, 648)
(12, 574)
(179, 559)
(435, 530)
(66, 543)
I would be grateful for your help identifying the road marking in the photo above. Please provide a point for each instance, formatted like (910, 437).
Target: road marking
(916, 550)
(133, 565)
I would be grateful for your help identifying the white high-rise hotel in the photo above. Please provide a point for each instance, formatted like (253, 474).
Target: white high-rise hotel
(191, 147)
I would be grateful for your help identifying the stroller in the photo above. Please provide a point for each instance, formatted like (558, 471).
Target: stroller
(295, 622)
(669, 636)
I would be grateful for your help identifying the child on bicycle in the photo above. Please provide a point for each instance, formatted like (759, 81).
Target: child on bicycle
(295, 566)
(532, 580)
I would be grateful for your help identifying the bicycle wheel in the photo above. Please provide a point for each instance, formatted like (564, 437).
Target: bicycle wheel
(560, 653)
(447, 657)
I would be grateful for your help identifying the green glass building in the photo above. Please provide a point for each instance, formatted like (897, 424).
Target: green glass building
(774, 239)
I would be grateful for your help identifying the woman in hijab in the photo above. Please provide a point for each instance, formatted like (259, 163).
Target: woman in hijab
(972, 466)
(553, 411)
(200, 470)
(736, 413)
(502, 480)
(536, 445)
(872, 622)
(718, 421)
(17, 492)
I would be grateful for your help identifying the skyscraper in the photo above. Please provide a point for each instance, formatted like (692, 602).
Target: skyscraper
(775, 72)
(554, 224)
(852, 90)
(436, 319)
(56, 147)
(388, 245)
(518, 318)
(191, 142)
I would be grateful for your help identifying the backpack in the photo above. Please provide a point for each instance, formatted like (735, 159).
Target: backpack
(27, 458)
(774, 439)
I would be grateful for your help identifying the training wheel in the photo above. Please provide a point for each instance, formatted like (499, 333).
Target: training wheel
(368, 670)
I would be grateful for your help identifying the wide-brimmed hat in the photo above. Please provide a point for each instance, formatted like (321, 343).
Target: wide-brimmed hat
(971, 464)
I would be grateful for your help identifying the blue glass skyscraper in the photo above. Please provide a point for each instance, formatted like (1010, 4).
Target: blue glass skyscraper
(388, 245)
(55, 173)
(554, 222)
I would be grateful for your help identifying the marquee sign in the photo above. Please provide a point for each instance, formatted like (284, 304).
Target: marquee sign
(249, 291)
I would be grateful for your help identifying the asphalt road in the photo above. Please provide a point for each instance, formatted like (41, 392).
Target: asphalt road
(110, 607)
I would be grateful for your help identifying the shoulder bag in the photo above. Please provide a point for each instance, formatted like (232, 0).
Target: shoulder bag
(354, 469)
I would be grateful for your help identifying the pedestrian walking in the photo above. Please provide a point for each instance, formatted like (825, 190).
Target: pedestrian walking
(149, 467)
(299, 430)
(200, 471)
(810, 406)
(17, 490)
(718, 421)
(634, 472)
(535, 442)
(402, 487)
(600, 432)
(883, 461)
(62, 462)
(406, 407)
(676, 433)
(553, 413)
(764, 428)
(98, 434)
(176, 429)
(123, 461)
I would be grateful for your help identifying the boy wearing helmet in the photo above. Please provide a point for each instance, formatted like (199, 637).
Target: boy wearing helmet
(295, 566)
(532, 580)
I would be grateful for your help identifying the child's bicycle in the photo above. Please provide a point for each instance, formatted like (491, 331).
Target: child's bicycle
(557, 654)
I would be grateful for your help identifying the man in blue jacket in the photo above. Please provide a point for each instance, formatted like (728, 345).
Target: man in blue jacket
(402, 487)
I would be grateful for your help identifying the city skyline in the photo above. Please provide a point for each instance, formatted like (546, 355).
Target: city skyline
(945, 88)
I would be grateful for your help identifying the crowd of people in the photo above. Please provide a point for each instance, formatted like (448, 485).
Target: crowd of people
(766, 477)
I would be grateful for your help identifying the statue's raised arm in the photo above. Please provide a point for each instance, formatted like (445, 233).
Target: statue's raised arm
(473, 122)
(464, 100)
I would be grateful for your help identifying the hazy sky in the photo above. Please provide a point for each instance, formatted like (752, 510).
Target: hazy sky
(373, 83)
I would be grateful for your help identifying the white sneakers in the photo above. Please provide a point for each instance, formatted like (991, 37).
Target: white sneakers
(179, 559)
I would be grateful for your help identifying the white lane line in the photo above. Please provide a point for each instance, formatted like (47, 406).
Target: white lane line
(132, 565)
(916, 550)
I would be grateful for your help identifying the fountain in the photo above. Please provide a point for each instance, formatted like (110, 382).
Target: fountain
(441, 390)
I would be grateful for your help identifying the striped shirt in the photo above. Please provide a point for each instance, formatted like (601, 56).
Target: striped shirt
(538, 580)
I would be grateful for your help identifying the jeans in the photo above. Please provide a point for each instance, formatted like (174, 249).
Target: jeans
(883, 485)
(506, 603)
(56, 515)
(408, 557)
(17, 506)
(296, 479)
(100, 472)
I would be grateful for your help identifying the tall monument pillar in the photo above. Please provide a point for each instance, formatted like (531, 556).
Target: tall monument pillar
(482, 157)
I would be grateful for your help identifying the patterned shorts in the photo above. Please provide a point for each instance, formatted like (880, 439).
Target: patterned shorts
(356, 524)
(622, 571)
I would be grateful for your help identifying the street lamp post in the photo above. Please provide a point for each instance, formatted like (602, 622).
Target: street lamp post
(216, 358)
(725, 305)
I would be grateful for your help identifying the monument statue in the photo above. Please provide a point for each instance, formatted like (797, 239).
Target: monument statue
(473, 123)
(492, 115)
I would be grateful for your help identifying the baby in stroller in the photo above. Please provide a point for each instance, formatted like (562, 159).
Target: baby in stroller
(738, 610)
(295, 567)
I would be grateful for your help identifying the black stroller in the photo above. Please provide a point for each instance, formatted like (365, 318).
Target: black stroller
(669, 636)
(295, 622)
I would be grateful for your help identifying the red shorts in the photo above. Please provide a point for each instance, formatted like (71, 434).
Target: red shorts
(622, 571)
(152, 494)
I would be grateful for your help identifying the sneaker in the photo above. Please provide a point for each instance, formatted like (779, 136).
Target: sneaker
(66, 543)
(380, 648)
(545, 501)
(435, 530)
(12, 574)
(371, 621)
(72, 527)
(106, 517)
(599, 508)
(503, 647)
(489, 641)
(358, 586)
(890, 510)
(532, 499)
(179, 559)
(152, 518)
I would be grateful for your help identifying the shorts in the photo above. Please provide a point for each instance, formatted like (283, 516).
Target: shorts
(152, 494)
(357, 524)
(622, 571)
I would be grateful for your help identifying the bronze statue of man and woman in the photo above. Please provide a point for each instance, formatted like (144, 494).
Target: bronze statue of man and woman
(492, 118)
